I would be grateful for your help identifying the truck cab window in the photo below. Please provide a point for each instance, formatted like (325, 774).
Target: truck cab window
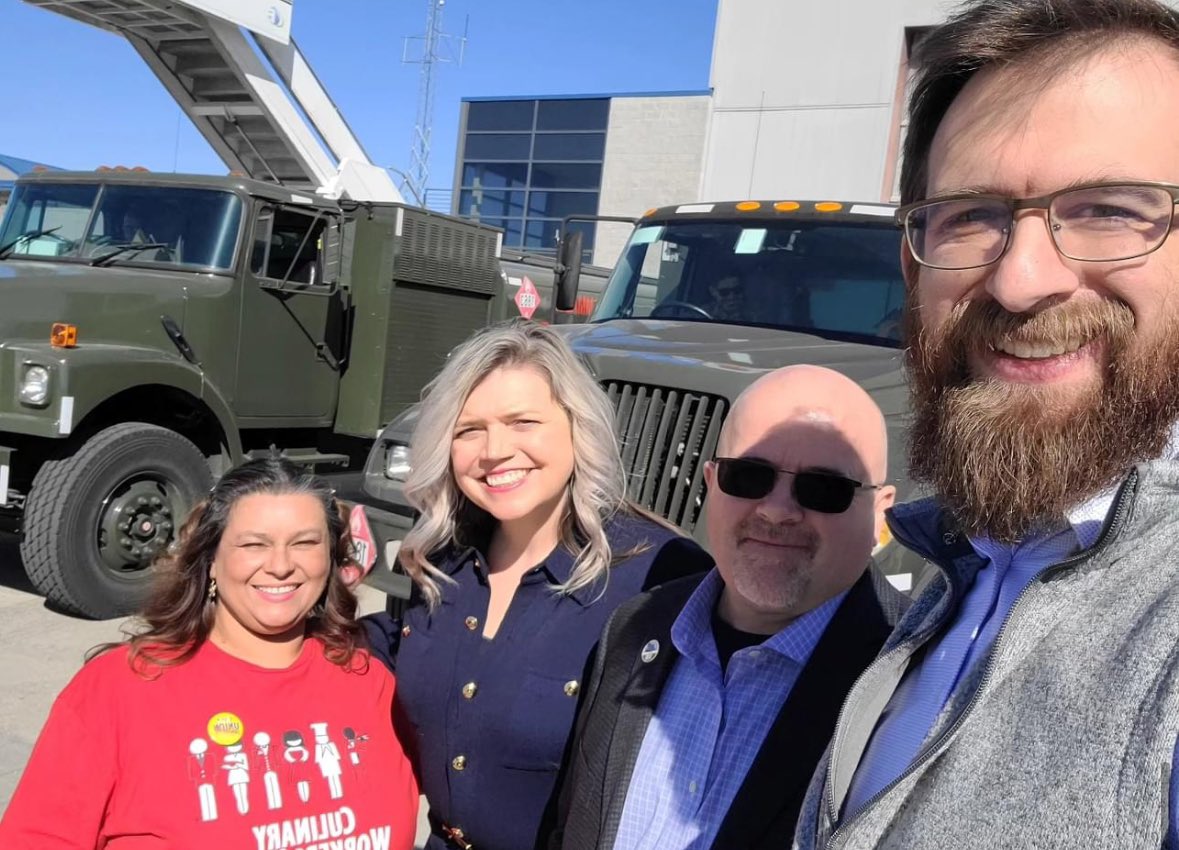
(289, 245)
(127, 224)
(827, 277)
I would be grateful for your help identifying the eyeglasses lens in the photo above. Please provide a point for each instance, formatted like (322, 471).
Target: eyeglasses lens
(814, 491)
(826, 494)
(1091, 223)
(745, 479)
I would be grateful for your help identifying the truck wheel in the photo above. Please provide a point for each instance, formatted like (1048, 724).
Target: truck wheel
(94, 521)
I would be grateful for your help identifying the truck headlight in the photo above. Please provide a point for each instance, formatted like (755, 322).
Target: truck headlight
(34, 386)
(397, 462)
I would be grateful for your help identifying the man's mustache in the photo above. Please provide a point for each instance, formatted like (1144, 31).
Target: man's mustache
(778, 534)
(977, 326)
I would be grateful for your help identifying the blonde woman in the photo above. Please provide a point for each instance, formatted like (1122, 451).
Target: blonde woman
(524, 547)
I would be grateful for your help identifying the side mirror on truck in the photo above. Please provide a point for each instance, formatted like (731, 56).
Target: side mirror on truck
(568, 269)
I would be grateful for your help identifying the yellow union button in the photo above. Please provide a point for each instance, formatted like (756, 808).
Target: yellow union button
(225, 728)
(459, 762)
(571, 688)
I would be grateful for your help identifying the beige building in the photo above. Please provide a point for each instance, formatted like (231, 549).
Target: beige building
(806, 101)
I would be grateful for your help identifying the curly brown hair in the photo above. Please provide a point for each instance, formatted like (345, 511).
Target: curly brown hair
(178, 614)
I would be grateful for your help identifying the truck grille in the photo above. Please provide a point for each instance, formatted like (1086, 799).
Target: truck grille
(666, 435)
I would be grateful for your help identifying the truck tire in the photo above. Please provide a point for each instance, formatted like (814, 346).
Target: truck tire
(95, 520)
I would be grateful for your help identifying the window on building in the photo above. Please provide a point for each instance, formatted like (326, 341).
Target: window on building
(480, 203)
(563, 147)
(528, 164)
(495, 175)
(510, 146)
(501, 115)
(572, 114)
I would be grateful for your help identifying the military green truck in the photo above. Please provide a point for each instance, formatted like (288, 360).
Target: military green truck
(156, 329)
(706, 298)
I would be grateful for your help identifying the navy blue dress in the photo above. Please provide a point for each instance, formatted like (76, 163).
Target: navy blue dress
(487, 721)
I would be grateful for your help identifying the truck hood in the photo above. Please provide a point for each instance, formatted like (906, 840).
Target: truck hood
(112, 304)
(723, 359)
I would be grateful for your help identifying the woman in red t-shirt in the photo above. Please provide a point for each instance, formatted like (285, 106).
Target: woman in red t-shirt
(244, 713)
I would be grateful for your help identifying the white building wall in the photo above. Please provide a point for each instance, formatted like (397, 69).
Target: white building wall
(654, 154)
(805, 97)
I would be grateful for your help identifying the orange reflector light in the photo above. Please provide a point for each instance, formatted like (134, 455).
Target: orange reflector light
(62, 335)
(749, 206)
(786, 206)
(651, 211)
(828, 206)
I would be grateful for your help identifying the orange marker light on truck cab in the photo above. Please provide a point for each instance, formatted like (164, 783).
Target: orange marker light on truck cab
(787, 206)
(748, 206)
(63, 335)
(828, 206)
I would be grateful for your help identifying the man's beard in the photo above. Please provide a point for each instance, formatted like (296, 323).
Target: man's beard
(775, 581)
(1009, 458)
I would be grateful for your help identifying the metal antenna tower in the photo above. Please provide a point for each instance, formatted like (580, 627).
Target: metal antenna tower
(436, 47)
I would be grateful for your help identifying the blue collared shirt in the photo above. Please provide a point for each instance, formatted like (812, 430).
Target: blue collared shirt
(928, 685)
(710, 724)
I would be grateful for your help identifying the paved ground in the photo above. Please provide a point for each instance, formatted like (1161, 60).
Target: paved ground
(40, 649)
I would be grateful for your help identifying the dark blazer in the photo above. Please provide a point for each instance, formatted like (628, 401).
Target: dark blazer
(624, 691)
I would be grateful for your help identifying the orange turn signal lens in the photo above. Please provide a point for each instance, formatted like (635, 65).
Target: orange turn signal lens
(787, 206)
(828, 206)
(63, 335)
(749, 206)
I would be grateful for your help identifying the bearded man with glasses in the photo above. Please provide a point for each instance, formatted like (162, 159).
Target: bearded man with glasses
(711, 698)
(1030, 698)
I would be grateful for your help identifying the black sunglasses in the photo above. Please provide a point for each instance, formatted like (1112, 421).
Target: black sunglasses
(823, 492)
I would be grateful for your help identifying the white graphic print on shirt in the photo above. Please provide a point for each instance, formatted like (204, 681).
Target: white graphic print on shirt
(303, 777)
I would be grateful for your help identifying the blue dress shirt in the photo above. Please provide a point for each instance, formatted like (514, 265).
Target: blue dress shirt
(486, 722)
(913, 711)
(709, 725)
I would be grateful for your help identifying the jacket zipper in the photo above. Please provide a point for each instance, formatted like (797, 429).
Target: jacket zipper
(1122, 504)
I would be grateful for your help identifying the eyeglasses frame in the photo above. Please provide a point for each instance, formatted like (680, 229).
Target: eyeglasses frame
(860, 486)
(1041, 202)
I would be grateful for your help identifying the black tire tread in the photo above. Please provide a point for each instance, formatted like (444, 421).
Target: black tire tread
(44, 511)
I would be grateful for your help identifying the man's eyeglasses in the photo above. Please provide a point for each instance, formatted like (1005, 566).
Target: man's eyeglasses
(1098, 223)
(823, 492)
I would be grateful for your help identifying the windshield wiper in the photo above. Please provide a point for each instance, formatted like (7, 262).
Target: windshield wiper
(26, 237)
(107, 258)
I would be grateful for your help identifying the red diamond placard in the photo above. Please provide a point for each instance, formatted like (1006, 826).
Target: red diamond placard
(527, 299)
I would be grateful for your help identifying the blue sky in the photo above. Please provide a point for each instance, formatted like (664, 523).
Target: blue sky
(79, 97)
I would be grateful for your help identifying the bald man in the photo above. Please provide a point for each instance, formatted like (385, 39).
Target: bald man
(712, 698)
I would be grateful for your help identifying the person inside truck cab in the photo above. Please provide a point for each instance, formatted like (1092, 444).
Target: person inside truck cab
(132, 229)
(525, 545)
(728, 299)
(223, 718)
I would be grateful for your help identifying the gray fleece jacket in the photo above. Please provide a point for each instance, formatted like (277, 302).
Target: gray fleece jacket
(1063, 735)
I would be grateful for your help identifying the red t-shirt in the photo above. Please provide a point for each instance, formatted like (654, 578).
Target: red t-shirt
(218, 754)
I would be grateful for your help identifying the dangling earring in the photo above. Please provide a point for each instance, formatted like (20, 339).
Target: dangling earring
(212, 594)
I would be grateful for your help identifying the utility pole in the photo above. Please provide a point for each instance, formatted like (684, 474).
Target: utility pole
(436, 47)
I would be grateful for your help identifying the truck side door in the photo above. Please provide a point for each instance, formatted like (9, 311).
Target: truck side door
(288, 365)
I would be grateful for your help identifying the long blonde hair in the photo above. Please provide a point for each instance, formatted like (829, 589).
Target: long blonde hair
(597, 488)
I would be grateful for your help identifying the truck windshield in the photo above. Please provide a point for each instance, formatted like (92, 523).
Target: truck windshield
(827, 277)
(180, 227)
